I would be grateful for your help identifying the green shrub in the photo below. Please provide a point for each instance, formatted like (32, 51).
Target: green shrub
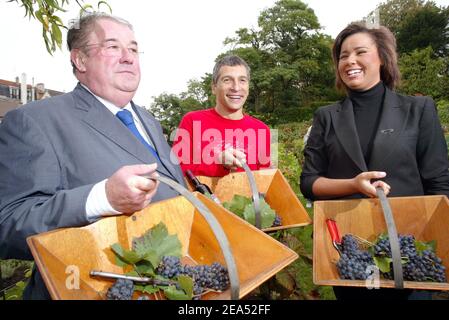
(288, 115)
(15, 275)
(443, 113)
(291, 135)
(10, 266)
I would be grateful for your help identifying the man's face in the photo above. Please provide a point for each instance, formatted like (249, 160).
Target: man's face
(231, 89)
(111, 66)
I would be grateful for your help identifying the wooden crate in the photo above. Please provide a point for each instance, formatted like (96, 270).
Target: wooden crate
(278, 194)
(425, 217)
(257, 256)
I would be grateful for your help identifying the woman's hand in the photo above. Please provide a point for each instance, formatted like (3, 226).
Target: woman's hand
(363, 184)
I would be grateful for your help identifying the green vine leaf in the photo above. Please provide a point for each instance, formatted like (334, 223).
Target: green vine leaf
(145, 268)
(383, 263)
(422, 246)
(237, 205)
(156, 243)
(174, 294)
(266, 213)
(243, 207)
(186, 284)
(128, 256)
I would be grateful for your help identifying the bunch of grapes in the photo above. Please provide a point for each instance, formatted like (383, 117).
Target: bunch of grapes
(214, 276)
(122, 289)
(277, 221)
(406, 243)
(353, 263)
(424, 266)
(169, 267)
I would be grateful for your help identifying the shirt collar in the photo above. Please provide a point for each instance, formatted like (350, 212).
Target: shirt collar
(109, 105)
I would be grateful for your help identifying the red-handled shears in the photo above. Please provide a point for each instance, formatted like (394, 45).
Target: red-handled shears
(335, 235)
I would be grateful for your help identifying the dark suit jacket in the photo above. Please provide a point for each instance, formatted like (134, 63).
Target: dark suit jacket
(52, 152)
(409, 146)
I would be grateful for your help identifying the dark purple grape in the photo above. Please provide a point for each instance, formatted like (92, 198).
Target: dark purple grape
(122, 289)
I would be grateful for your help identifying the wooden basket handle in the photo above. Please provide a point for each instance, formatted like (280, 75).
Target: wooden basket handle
(216, 228)
(255, 194)
(394, 240)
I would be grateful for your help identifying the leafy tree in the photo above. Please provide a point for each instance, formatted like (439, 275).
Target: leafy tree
(417, 24)
(291, 68)
(170, 108)
(200, 91)
(46, 12)
(393, 12)
(424, 74)
(428, 26)
(289, 57)
(286, 23)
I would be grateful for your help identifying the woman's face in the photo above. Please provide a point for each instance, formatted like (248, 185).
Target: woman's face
(359, 62)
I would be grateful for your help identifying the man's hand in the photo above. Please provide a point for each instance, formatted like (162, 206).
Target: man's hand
(232, 158)
(363, 184)
(128, 191)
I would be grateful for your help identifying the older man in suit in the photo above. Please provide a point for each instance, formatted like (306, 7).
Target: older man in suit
(70, 160)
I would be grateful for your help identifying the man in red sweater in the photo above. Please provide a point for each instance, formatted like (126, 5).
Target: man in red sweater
(214, 141)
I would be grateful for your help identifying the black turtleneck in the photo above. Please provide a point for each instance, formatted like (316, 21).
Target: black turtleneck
(367, 110)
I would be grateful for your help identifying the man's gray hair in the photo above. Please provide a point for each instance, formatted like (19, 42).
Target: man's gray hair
(80, 29)
(230, 61)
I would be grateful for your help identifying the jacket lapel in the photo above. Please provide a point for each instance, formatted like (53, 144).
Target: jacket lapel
(99, 118)
(345, 129)
(394, 116)
(159, 144)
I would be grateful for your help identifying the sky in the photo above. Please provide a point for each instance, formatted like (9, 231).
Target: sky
(180, 39)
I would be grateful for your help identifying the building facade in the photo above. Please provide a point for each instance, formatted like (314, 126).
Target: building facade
(11, 94)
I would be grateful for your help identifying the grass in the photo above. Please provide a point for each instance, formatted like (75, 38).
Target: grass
(15, 274)
(304, 271)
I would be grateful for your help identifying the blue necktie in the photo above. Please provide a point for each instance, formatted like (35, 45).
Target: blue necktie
(127, 118)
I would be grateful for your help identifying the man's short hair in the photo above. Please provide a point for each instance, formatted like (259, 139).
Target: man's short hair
(80, 29)
(231, 61)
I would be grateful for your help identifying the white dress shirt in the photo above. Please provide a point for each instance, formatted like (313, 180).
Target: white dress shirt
(97, 204)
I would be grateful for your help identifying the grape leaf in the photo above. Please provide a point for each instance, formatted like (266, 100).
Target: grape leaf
(237, 205)
(422, 246)
(243, 207)
(120, 262)
(127, 256)
(156, 243)
(266, 213)
(383, 263)
(146, 289)
(174, 294)
(145, 268)
(186, 284)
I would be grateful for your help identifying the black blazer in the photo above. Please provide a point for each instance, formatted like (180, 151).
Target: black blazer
(409, 146)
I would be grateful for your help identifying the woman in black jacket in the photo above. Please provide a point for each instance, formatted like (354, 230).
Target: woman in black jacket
(375, 136)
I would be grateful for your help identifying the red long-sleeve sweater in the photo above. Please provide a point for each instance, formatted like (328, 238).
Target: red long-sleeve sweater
(203, 134)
